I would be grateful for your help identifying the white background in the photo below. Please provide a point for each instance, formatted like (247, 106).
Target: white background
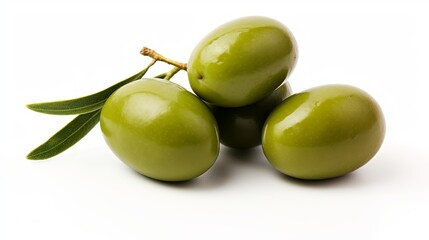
(54, 51)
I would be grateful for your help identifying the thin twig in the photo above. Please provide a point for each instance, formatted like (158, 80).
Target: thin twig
(156, 56)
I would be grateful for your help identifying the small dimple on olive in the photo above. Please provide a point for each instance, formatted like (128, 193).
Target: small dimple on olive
(200, 77)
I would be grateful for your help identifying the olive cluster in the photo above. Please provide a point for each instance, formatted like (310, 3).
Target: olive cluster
(242, 99)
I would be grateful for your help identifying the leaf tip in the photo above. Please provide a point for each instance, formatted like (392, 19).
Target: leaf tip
(33, 107)
(34, 156)
(29, 106)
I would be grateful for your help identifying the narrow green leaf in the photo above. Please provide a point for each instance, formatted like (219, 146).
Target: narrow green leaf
(85, 104)
(161, 76)
(67, 136)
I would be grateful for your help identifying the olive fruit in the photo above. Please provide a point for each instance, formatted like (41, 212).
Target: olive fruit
(160, 130)
(242, 61)
(324, 132)
(241, 127)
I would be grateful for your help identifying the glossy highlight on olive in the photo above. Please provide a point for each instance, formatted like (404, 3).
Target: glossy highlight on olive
(161, 130)
(324, 132)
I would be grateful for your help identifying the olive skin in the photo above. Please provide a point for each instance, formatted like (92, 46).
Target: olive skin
(242, 61)
(324, 132)
(241, 127)
(160, 130)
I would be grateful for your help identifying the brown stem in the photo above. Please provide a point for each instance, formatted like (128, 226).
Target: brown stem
(156, 56)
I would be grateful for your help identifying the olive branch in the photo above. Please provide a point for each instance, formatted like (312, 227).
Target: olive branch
(88, 109)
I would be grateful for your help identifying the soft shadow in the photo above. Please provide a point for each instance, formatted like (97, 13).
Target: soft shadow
(231, 162)
(375, 173)
(243, 156)
(350, 179)
(384, 167)
(224, 169)
(215, 177)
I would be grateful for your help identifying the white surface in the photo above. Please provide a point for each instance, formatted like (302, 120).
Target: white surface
(59, 51)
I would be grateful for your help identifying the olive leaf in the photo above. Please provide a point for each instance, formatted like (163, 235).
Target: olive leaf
(85, 104)
(67, 136)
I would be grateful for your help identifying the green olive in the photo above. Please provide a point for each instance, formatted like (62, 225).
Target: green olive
(242, 61)
(160, 130)
(324, 132)
(241, 127)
